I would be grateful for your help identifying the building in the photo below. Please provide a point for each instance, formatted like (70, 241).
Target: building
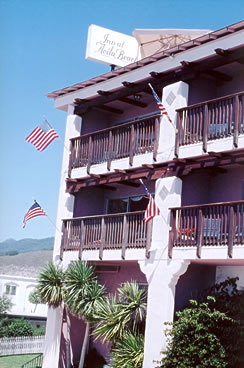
(18, 278)
(194, 166)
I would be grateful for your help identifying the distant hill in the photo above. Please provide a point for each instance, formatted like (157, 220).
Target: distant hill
(26, 264)
(13, 247)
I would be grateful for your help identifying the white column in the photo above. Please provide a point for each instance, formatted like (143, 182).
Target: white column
(52, 338)
(167, 195)
(162, 277)
(65, 210)
(66, 200)
(174, 97)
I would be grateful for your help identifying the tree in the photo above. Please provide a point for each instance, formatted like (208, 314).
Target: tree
(5, 304)
(34, 297)
(207, 333)
(121, 321)
(83, 293)
(51, 291)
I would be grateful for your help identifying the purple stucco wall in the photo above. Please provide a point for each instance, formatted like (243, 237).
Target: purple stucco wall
(92, 201)
(196, 279)
(204, 187)
(128, 271)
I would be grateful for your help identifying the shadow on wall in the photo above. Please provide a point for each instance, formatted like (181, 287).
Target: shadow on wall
(190, 285)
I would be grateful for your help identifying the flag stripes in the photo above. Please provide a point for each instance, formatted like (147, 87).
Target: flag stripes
(34, 211)
(152, 210)
(160, 105)
(42, 136)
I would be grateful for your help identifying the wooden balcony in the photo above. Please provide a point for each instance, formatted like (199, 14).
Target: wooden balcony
(125, 140)
(210, 120)
(215, 224)
(106, 232)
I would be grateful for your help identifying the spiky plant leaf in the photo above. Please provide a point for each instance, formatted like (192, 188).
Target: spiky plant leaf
(128, 352)
(50, 286)
(111, 324)
(82, 290)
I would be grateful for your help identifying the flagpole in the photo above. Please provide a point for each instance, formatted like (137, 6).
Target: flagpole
(44, 117)
(60, 232)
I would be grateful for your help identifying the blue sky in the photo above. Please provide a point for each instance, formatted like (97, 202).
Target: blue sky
(42, 49)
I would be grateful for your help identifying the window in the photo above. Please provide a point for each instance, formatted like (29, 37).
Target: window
(10, 289)
(131, 204)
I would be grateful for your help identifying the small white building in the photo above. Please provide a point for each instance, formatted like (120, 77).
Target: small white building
(18, 278)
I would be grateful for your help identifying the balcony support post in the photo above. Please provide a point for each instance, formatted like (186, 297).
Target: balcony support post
(71, 158)
(199, 233)
(231, 228)
(236, 120)
(205, 128)
(103, 237)
(82, 229)
(125, 236)
(64, 240)
(172, 232)
(90, 151)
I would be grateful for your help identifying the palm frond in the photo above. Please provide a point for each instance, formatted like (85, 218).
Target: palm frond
(128, 352)
(50, 285)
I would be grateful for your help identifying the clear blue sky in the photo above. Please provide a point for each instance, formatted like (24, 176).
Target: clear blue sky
(42, 48)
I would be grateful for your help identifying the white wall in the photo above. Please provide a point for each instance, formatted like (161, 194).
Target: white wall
(21, 305)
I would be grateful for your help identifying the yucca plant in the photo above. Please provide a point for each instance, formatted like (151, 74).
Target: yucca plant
(50, 288)
(128, 352)
(121, 319)
(82, 295)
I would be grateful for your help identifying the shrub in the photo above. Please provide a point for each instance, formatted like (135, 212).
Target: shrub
(16, 327)
(207, 333)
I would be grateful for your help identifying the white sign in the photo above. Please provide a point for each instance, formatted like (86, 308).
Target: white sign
(110, 47)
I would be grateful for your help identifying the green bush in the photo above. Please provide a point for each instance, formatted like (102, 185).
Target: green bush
(207, 333)
(16, 327)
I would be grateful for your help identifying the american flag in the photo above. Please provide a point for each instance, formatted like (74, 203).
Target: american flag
(42, 136)
(34, 211)
(160, 105)
(152, 210)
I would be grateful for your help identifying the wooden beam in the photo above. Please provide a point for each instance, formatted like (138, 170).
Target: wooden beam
(129, 84)
(133, 102)
(215, 154)
(148, 166)
(129, 183)
(155, 75)
(120, 171)
(113, 110)
(94, 176)
(104, 93)
(222, 52)
(108, 187)
(212, 73)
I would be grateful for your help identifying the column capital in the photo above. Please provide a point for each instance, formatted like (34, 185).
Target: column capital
(167, 271)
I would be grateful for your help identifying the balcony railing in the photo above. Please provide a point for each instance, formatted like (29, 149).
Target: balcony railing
(116, 231)
(125, 140)
(214, 224)
(215, 119)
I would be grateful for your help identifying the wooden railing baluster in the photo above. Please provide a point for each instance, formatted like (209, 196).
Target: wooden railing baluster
(90, 153)
(236, 120)
(156, 138)
(82, 238)
(205, 128)
(132, 144)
